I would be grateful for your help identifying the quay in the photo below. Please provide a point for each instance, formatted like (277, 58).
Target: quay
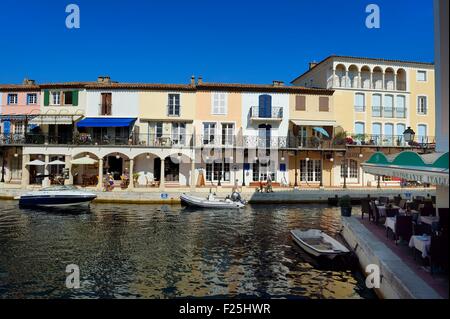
(279, 196)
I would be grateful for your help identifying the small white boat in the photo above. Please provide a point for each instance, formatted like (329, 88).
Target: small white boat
(318, 244)
(211, 202)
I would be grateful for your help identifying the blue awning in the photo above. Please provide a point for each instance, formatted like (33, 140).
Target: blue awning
(106, 122)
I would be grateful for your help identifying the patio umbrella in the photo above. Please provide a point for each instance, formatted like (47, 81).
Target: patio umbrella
(57, 162)
(322, 131)
(84, 161)
(35, 163)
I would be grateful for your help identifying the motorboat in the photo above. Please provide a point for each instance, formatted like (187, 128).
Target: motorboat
(234, 201)
(318, 243)
(56, 196)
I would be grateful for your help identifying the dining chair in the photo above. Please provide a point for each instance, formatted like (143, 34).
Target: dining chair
(365, 207)
(403, 228)
(443, 218)
(438, 256)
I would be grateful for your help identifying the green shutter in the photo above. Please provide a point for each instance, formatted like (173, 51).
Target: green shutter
(46, 98)
(75, 98)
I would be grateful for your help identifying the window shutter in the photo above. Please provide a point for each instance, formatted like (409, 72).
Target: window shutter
(323, 104)
(75, 98)
(300, 103)
(46, 98)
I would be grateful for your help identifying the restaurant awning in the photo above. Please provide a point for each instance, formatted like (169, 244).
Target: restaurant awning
(429, 168)
(57, 162)
(54, 119)
(106, 122)
(313, 123)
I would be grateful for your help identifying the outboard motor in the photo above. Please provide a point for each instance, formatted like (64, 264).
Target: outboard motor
(236, 197)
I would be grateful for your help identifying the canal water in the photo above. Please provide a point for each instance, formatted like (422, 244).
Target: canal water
(150, 251)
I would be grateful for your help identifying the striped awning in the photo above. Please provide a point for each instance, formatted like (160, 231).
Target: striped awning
(428, 168)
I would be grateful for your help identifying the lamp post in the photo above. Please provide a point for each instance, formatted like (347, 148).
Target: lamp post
(409, 135)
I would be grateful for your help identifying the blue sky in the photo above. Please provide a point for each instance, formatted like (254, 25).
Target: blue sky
(245, 41)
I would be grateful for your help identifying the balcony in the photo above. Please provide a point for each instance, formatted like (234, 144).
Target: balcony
(275, 114)
(388, 112)
(390, 141)
(218, 140)
(400, 112)
(376, 111)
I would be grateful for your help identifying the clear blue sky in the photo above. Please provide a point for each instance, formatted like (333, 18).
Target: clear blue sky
(248, 41)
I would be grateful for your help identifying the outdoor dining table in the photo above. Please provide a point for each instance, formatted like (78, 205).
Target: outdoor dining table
(421, 243)
(382, 209)
(390, 223)
(429, 220)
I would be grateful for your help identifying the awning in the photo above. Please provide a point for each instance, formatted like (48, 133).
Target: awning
(35, 163)
(106, 122)
(84, 161)
(313, 123)
(54, 119)
(430, 168)
(322, 131)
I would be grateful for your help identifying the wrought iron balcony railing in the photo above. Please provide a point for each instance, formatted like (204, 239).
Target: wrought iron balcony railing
(274, 113)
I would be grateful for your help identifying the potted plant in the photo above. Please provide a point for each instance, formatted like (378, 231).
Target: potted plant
(135, 178)
(345, 202)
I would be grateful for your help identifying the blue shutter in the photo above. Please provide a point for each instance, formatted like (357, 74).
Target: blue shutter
(265, 106)
(6, 127)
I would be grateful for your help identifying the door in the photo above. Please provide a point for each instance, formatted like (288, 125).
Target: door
(376, 133)
(115, 167)
(265, 106)
(389, 134)
(179, 134)
(400, 128)
(422, 133)
(106, 108)
(264, 135)
(209, 132)
(171, 170)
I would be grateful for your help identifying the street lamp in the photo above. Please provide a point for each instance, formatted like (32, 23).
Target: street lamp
(408, 135)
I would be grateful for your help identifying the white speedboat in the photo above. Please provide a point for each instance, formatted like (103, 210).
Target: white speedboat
(211, 202)
(318, 244)
(56, 196)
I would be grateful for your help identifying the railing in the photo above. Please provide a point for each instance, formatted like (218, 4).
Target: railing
(389, 140)
(313, 142)
(276, 113)
(400, 112)
(388, 112)
(401, 85)
(376, 111)
(360, 108)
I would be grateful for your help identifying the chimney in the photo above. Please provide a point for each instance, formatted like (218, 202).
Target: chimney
(193, 80)
(28, 82)
(278, 83)
(312, 64)
(200, 80)
(104, 79)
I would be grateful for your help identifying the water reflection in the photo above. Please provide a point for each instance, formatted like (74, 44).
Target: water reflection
(150, 251)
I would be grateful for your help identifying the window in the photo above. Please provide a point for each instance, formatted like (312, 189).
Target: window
(349, 169)
(376, 133)
(300, 103)
(422, 133)
(421, 76)
(310, 171)
(400, 109)
(31, 98)
(56, 98)
(323, 104)
(209, 132)
(389, 134)
(179, 133)
(360, 129)
(399, 129)
(422, 105)
(255, 171)
(68, 98)
(376, 105)
(388, 106)
(12, 99)
(174, 105)
(359, 102)
(219, 104)
(227, 134)
(19, 127)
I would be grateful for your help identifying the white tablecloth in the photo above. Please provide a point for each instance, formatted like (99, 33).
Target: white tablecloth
(421, 243)
(390, 223)
(382, 210)
(429, 220)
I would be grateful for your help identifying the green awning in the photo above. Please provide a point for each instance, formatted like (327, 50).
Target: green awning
(427, 168)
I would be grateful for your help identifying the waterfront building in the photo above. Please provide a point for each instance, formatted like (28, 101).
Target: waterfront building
(315, 133)
(374, 101)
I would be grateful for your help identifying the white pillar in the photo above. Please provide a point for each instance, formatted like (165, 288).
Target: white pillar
(346, 82)
(371, 80)
(333, 84)
(383, 78)
(100, 174)
(25, 171)
(131, 185)
(46, 181)
(193, 173)
(162, 181)
(68, 166)
(359, 82)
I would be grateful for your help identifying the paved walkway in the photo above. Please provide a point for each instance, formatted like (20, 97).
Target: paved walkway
(438, 282)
